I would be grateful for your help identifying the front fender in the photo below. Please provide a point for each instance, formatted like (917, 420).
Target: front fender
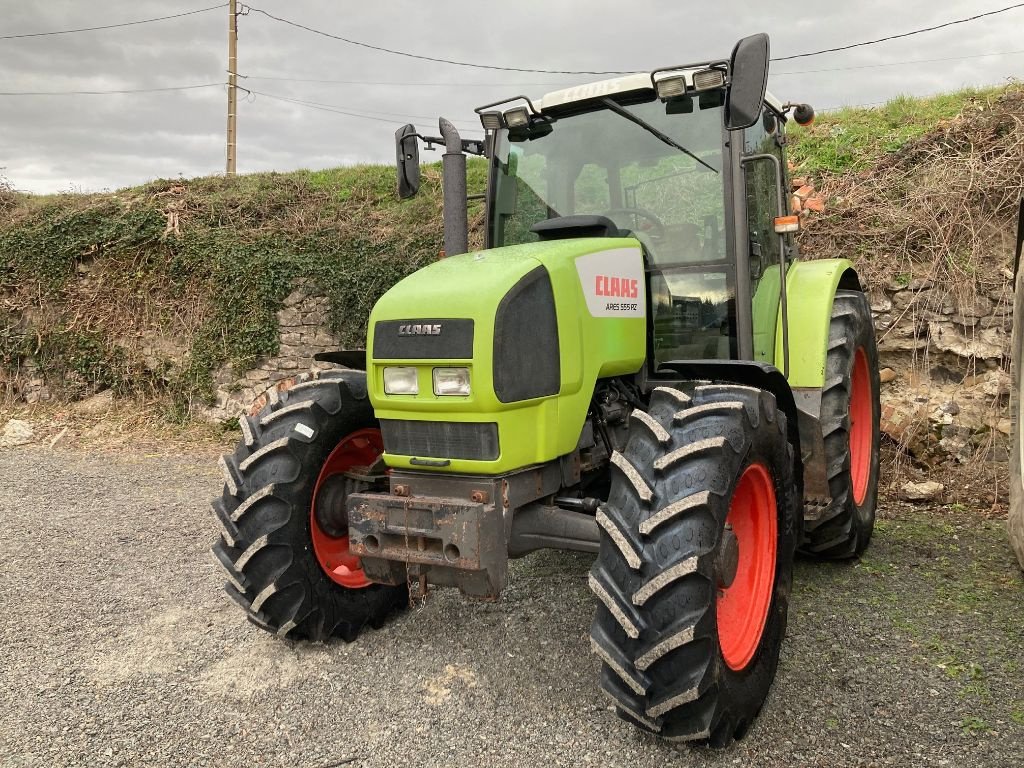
(810, 288)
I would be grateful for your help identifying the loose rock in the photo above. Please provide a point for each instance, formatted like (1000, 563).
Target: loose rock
(97, 405)
(927, 490)
(16, 432)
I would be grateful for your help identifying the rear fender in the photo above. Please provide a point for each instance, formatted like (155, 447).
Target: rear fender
(810, 290)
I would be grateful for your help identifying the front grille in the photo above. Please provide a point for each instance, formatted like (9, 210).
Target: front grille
(401, 340)
(440, 439)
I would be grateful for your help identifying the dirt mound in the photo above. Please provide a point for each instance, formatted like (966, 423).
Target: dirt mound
(940, 208)
(930, 225)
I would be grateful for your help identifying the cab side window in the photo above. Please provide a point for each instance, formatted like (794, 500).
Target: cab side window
(762, 194)
(761, 183)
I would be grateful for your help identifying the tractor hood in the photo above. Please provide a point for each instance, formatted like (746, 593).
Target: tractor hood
(532, 326)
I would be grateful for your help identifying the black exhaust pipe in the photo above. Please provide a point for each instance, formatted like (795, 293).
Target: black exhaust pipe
(453, 167)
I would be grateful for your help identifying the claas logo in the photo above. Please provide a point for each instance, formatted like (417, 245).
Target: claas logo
(623, 287)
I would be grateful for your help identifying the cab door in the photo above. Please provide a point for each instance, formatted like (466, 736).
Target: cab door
(761, 183)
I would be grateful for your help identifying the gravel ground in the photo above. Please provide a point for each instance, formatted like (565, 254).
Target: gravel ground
(119, 648)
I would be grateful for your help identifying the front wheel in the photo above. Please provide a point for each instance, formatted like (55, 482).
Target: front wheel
(695, 564)
(284, 542)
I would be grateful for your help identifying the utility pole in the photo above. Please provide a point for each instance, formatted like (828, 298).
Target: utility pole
(232, 85)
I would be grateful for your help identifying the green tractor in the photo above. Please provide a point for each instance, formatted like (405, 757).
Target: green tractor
(636, 366)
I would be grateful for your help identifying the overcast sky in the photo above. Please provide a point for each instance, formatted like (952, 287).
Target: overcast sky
(54, 143)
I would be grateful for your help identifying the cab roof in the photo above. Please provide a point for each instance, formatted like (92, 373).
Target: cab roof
(639, 81)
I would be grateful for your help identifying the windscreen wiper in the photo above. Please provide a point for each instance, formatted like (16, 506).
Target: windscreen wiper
(617, 109)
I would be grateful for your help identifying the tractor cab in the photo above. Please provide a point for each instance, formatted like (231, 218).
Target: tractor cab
(648, 157)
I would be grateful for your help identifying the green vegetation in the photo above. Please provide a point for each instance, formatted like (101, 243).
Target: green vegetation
(975, 726)
(89, 280)
(918, 187)
(855, 138)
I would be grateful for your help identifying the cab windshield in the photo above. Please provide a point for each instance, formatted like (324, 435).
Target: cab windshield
(667, 191)
(600, 162)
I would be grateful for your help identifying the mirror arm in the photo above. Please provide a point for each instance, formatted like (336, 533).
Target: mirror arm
(469, 146)
(430, 141)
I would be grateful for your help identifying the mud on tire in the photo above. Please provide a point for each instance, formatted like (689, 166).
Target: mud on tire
(264, 510)
(843, 529)
(661, 562)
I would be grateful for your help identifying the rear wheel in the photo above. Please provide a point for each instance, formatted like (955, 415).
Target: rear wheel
(695, 564)
(284, 542)
(849, 421)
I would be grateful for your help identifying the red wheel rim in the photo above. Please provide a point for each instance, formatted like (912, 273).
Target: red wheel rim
(743, 606)
(860, 427)
(358, 449)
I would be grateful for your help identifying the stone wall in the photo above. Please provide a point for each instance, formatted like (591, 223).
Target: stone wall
(945, 357)
(302, 333)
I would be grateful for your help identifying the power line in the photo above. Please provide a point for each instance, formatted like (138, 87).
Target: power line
(113, 26)
(450, 84)
(902, 34)
(105, 93)
(386, 117)
(463, 84)
(337, 109)
(436, 84)
(898, 63)
(435, 59)
(457, 63)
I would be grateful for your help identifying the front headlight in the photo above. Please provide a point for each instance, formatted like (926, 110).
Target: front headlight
(451, 381)
(401, 381)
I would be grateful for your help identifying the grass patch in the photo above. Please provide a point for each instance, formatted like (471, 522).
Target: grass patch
(855, 138)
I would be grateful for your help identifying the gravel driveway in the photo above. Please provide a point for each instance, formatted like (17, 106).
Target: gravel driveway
(119, 648)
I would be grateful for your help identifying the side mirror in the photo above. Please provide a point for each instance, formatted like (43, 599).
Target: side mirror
(407, 155)
(748, 72)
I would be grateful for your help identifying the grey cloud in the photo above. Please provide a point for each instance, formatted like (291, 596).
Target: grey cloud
(95, 142)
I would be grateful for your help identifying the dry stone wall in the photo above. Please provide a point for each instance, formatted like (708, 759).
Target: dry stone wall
(945, 357)
(302, 331)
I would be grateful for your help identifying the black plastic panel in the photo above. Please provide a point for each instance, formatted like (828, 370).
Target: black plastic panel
(565, 227)
(423, 338)
(526, 355)
(440, 439)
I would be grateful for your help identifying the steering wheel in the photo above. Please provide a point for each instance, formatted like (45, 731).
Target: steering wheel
(657, 231)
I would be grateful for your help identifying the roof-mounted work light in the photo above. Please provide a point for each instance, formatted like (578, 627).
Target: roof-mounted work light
(670, 87)
(517, 117)
(708, 79)
(491, 121)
